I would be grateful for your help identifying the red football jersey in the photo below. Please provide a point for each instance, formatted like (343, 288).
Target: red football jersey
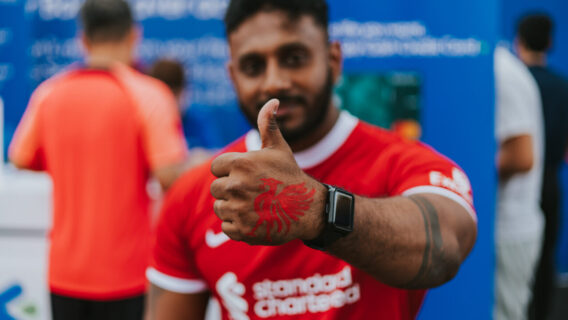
(192, 254)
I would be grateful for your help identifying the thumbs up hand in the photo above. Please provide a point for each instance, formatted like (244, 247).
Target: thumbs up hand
(262, 196)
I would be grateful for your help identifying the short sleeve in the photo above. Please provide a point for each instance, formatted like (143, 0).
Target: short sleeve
(419, 169)
(172, 266)
(26, 147)
(162, 132)
(162, 135)
(517, 97)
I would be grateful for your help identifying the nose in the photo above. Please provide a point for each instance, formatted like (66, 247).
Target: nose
(276, 79)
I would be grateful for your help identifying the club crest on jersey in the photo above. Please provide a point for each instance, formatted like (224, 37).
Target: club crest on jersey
(458, 182)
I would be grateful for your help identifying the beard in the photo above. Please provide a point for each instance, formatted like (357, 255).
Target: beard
(313, 117)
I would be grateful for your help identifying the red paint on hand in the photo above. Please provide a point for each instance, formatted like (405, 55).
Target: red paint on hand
(285, 206)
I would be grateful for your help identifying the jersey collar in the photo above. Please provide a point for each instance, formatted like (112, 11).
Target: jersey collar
(322, 150)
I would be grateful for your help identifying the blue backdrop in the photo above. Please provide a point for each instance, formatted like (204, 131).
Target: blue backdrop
(448, 43)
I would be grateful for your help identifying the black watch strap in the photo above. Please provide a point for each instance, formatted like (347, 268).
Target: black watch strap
(333, 228)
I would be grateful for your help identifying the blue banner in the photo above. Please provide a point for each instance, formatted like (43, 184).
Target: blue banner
(14, 63)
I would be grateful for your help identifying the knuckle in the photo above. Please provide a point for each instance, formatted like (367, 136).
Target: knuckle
(238, 208)
(248, 231)
(215, 164)
(243, 163)
(237, 237)
(220, 163)
(232, 233)
(214, 189)
(218, 207)
(235, 188)
(234, 208)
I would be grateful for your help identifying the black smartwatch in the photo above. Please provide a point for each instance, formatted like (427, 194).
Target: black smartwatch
(338, 218)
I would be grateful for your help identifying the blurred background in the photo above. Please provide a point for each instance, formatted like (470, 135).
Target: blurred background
(422, 68)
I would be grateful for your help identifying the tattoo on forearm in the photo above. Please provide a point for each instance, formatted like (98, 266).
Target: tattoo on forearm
(293, 201)
(433, 255)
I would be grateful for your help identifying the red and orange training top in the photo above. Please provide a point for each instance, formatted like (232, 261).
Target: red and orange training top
(99, 134)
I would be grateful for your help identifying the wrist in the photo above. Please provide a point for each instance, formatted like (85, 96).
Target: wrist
(338, 218)
(315, 224)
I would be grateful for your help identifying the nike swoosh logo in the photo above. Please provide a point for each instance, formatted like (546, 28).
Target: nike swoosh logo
(214, 240)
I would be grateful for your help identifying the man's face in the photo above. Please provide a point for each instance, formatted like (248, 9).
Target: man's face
(275, 57)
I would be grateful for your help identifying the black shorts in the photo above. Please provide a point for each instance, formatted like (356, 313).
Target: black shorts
(67, 308)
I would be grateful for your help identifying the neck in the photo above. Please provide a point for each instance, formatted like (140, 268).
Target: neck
(314, 137)
(103, 55)
(533, 58)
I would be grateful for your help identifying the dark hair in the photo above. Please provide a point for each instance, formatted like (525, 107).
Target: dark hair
(535, 31)
(240, 10)
(106, 20)
(169, 71)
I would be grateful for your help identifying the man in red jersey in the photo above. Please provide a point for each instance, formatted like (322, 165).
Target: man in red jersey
(100, 129)
(316, 215)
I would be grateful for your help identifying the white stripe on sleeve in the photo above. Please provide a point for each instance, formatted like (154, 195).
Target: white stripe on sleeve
(175, 284)
(443, 192)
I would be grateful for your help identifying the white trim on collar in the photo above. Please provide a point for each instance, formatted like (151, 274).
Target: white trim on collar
(322, 150)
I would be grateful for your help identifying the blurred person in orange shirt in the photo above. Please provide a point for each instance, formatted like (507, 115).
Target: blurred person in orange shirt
(101, 129)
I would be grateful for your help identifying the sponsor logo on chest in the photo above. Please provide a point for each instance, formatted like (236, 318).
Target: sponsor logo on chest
(315, 294)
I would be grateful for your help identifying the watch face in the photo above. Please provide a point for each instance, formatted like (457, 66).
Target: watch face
(344, 211)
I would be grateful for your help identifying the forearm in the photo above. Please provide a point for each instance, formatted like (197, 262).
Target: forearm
(408, 242)
(24, 161)
(515, 156)
(167, 305)
(167, 175)
(508, 165)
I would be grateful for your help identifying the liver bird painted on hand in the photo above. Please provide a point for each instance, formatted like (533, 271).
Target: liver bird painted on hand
(285, 206)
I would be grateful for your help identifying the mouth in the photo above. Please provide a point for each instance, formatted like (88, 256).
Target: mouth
(288, 105)
(284, 109)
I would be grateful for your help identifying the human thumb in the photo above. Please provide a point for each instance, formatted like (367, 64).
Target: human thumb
(270, 135)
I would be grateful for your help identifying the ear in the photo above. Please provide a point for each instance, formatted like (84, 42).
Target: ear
(550, 43)
(134, 35)
(231, 69)
(84, 41)
(515, 45)
(335, 59)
